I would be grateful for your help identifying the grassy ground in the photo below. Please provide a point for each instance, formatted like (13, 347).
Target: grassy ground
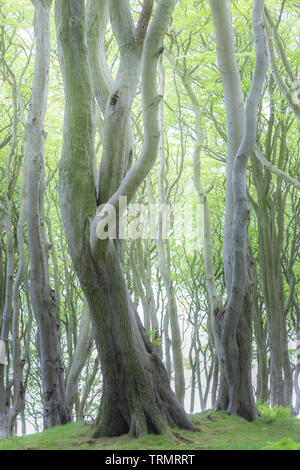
(216, 431)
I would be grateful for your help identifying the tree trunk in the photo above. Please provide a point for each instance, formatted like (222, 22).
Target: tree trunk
(136, 397)
(232, 325)
(270, 216)
(141, 395)
(296, 409)
(44, 302)
(246, 406)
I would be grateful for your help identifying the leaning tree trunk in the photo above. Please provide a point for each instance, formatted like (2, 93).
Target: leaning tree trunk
(44, 303)
(136, 397)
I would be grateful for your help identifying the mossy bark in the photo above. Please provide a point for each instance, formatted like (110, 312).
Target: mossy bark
(137, 396)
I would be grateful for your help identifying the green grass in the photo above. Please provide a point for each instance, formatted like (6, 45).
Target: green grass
(217, 430)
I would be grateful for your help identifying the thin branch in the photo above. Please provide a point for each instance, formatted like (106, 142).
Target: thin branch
(276, 171)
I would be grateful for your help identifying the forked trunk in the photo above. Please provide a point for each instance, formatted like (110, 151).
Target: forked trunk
(137, 396)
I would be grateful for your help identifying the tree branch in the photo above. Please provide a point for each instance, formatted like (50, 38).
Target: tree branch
(273, 169)
(122, 22)
(150, 102)
(96, 19)
(144, 20)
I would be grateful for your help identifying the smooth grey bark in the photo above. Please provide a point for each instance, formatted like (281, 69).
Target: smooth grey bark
(136, 394)
(105, 88)
(43, 298)
(230, 342)
(235, 117)
(233, 324)
(117, 153)
(234, 106)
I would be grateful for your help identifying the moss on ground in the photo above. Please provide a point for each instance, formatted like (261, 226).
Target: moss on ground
(217, 431)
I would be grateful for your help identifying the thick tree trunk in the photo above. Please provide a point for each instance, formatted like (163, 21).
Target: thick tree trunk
(136, 397)
(235, 117)
(44, 302)
(245, 404)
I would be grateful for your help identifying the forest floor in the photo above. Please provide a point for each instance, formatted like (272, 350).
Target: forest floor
(217, 431)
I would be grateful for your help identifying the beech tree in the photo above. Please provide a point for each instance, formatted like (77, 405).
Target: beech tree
(43, 297)
(136, 394)
(233, 344)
